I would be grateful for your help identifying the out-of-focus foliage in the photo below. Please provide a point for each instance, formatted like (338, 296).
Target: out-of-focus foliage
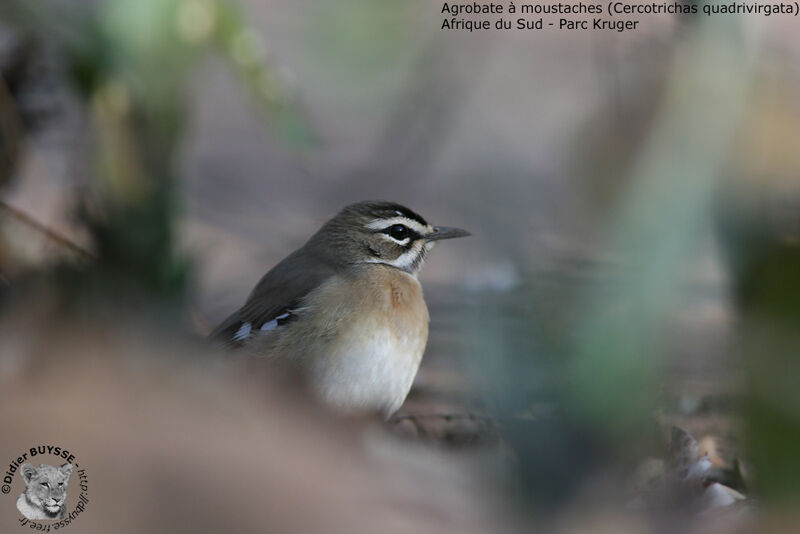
(759, 226)
(131, 61)
(613, 336)
(655, 227)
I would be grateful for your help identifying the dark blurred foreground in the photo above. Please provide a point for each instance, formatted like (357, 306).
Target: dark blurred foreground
(175, 438)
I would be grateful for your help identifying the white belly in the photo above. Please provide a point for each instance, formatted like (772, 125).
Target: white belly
(367, 371)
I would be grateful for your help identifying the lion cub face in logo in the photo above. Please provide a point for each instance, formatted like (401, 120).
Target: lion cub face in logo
(45, 496)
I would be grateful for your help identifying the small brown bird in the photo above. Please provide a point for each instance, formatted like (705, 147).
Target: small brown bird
(346, 308)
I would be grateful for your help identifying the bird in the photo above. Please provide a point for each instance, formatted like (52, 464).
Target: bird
(346, 309)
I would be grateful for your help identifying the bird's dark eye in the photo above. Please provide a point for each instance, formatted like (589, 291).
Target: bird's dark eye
(398, 231)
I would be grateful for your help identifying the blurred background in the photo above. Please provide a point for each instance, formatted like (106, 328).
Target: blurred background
(634, 200)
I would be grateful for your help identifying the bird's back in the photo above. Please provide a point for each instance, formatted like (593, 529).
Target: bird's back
(279, 291)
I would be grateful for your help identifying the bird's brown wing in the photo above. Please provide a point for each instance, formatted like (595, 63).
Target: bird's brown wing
(279, 291)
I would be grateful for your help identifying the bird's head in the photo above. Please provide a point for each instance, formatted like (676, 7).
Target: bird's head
(381, 232)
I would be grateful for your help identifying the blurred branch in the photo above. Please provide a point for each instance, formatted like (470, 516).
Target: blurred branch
(11, 130)
(49, 233)
(463, 416)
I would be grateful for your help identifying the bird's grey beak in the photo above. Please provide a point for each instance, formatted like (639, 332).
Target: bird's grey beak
(445, 232)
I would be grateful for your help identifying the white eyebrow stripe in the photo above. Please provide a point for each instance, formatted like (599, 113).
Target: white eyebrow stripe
(384, 223)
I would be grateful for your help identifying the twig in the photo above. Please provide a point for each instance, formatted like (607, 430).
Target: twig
(461, 416)
(10, 122)
(51, 234)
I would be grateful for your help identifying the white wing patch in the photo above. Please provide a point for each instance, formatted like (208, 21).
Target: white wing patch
(246, 329)
(269, 325)
(243, 332)
(276, 322)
